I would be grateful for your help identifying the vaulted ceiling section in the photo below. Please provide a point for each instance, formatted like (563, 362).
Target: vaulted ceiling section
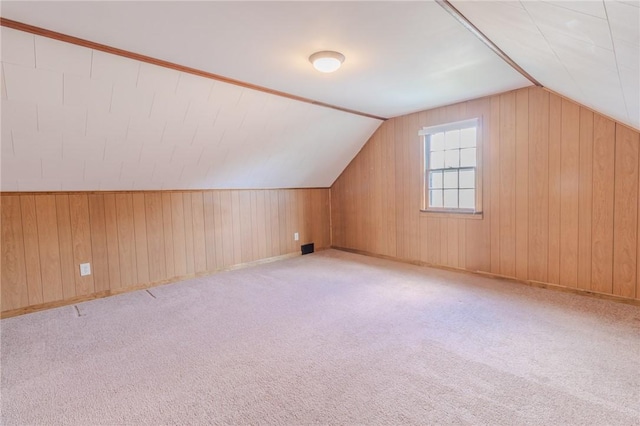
(80, 118)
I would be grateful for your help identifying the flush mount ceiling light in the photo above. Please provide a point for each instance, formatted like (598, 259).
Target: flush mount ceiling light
(326, 61)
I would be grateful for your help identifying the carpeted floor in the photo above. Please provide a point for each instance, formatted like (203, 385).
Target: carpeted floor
(329, 338)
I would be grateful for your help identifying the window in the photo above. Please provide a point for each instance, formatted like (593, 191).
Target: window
(452, 168)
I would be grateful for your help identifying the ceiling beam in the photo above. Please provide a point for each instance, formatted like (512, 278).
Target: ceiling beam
(446, 5)
(166, 64)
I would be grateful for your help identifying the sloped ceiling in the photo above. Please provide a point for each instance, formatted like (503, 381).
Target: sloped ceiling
(588, 51)
(80, 119)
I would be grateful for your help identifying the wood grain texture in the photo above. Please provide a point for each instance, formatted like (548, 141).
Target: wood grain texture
(31, 249)
(100, 265)
(555, 161)
(155, 236)
(14, 270)
(67, 267)
(81, 237)
(538, 184)
(137, 239)
(113, 251)
(585, 199)
(604, 140)
(552, 195)
(49, 247)
(569, 189)
(625, 219)
(126, 240)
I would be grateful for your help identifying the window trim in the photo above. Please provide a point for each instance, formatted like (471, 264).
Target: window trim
(452, 212)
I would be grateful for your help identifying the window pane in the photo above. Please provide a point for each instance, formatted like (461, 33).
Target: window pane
(450, 178)
(452, 158)
(467, 178)
(437, 160)
(452, 139)
(435, 198)
(436, 142)
(468, 137)
(468, 199)
(435, 180)
(468, 157)
(450, 198)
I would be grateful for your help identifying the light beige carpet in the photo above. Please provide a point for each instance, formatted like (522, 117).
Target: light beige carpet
(329, 338)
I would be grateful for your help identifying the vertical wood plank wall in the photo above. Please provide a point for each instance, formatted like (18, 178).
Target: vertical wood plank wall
(560, 195)
(134, 239)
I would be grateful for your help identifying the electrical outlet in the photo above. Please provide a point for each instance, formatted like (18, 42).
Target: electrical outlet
(85, 269)
(296, 236)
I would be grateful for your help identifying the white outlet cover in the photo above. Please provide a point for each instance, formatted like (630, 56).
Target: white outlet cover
(85, 269)
(296, 236)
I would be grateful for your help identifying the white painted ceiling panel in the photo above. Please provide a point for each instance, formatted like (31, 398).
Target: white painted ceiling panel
(587, 51)
(401, 56)
(121, 124)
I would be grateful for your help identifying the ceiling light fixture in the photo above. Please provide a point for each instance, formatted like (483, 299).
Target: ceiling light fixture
(327, 60)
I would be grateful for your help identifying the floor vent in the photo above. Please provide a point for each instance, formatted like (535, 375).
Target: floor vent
(307, 248)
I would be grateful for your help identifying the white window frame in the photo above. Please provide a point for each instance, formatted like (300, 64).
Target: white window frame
(425, 133)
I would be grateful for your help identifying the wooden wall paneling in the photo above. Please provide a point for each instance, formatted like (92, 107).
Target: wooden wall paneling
(462, 243)
(400, 161)
(246, 231)
(604, 141)
(538, 184)
(111, 229)
(376, 213)
(555, 160)
(14, 290)
(625, 213)
(389, 201)
(236, 223)
(569, 189)
(31, 248)
(228, 242)
(99, 252)
(209, 230)
(274, 224)
(478, 232)
(81, 237)
(167, 232)
(218, 229)
(188, 232)
(199, 237)
(178, 231)
(452, 242)
(261, 227)
(49, 246)
(507, 165)
(434, 237)
(283, 213)
(65, 239)
(522, 184)
(140, 229)
(494, 169)
(126, 240)
(585, 203)
(414, 194)
(155, 236)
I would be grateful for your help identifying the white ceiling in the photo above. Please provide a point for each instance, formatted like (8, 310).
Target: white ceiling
(77, 119)
(588, 51)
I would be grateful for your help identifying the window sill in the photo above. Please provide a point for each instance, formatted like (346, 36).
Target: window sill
(444, 214)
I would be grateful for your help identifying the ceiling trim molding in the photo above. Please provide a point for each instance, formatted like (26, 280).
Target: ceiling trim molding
(451, 9)
(166, 64)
